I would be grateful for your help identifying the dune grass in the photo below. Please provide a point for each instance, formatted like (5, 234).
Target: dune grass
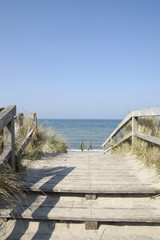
(41, 139)
(10, 186)
(10, 182)
(147, 152)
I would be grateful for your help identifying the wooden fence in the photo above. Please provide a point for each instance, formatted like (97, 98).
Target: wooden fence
(7, 128)
(133, 116)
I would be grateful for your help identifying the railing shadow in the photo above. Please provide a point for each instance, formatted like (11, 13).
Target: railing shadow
(28, 206)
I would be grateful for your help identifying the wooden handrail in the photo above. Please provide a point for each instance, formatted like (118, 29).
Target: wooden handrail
(134, 117)
(120, 126)
(7, 125)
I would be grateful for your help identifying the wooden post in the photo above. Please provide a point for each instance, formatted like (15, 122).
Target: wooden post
(9, 142)
(33, 116)
(90, 144)
(18, 123)
(81, 146)
(134, 128)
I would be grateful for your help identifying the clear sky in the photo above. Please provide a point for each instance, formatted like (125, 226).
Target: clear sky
(80, 58)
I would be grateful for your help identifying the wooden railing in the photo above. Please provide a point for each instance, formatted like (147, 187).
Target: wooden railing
(133, 116)
(7, 128)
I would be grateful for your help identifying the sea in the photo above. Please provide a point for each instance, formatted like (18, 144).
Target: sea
(75, 131)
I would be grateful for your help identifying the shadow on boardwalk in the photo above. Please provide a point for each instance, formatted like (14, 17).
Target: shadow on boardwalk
(25, 205)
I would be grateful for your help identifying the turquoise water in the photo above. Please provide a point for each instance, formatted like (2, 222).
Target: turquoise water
(75, 131)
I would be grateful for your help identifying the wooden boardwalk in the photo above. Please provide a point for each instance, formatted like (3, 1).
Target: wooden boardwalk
(87, 187)
(89, 172)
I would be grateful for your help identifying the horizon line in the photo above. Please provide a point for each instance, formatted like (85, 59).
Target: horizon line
(79, 119)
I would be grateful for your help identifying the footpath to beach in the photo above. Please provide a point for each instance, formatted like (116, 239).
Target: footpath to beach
(86, 195)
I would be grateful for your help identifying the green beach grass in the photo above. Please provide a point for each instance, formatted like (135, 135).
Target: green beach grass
(147, 152)
(42, 140)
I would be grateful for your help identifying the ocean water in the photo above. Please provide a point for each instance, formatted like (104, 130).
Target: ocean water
(75, 131)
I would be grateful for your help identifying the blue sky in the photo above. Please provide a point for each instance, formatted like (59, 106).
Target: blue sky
(80, 58)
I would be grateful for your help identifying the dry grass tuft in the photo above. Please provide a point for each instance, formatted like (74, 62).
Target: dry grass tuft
(41, 137)
(149, 126)
(10, 186)
(10, 182)
(122, 148)
(147, 152)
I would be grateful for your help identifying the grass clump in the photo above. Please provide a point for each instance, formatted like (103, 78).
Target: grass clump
(42, 140)
(10, 186)
(148, 152)
(123, 148)
(10, 182)
(149, 126)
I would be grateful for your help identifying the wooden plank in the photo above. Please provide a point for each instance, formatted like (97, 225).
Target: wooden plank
(148, 138)
(123, 139)
(7, 115)
(109, 215)
(90, 196)
(134, 128)
(44, 230)
(120, 126)
(9, 142)
(107, 150)
(4, 157)
(98, 173)
(147, 112)
(1, 109)
(91, 225)
(25, 143)
(141, 113)
(97, 189)
(76, 209)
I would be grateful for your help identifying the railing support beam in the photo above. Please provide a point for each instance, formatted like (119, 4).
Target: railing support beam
(134, 129)
(9, 142)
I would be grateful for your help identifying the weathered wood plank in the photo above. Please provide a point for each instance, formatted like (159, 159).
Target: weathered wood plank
(107, 150)
(24, 144)
(123, 139)
(9, 142)
(6, 115)
(120, 126)
(134, 128)
(44, 230)
(97, 189)
(147, 112)
(97, 173)
(48, 207)
(148, 138)
(134, 114)
(4, 157)
(91, 225)
(1, 109)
